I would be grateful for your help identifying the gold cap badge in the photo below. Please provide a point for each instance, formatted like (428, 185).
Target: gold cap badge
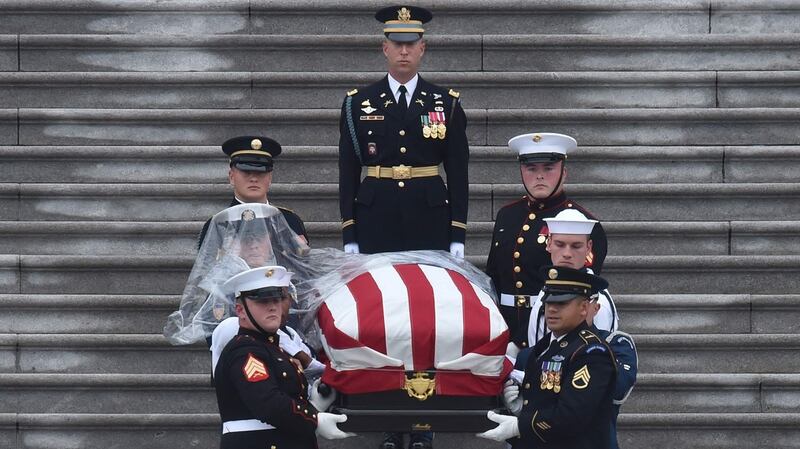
(537, 138)
(248, 215)
(269, 273)
(403, 14)
(256, 144)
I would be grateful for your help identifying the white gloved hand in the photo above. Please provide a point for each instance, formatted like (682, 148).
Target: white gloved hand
(508, 427)
(287, 344)
(457, 250)
(327, 428)
(517, 375)
(321, 403)
(351, 248)
(511, 397)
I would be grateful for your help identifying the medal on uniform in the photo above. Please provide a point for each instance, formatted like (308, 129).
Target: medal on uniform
(543, 381)
(557, 382)
(442, 130)
(426, 129)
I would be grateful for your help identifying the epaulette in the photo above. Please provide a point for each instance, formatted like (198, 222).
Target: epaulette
(352, 92)
(454, 94)
(589, 336)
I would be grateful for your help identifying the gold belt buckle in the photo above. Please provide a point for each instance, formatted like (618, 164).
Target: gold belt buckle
(522, 301)
(401, 172)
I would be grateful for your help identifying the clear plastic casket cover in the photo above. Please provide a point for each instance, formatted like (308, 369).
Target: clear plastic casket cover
(252, 235)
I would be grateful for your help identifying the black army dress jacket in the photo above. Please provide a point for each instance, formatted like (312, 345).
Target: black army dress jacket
(518, 251)
(292, 219)
(402, 214)
(567, 393)
(255, 379)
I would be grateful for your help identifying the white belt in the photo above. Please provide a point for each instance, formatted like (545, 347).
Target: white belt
(522, 301)
(244, 425)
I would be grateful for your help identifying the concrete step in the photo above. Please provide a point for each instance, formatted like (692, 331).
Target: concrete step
(318, 164)
(114, 353)
(451, 17)
(487, 89)
(168, 431)
(107, 393)
(160, 275)
(179, 238)
(734, 354)
(295, 17)
(601, 127)
(192, 393)
(710, 430)
(100, 354)
(714, 393)
(707, 314)
(291, 90)
(639, 313)
(465, 52)
(85, 314)
(227, 53)
(319, 202)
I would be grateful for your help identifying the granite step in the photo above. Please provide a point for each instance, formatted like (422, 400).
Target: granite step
(193, 393)
(465, 52)
(291, 127)
(166, 275)
(319, 202)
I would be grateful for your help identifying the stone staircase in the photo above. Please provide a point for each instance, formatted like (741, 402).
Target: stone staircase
(111, 114)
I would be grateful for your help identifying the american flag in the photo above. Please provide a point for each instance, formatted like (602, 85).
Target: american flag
(413, 317)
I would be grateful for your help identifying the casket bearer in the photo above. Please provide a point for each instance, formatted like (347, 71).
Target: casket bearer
(569, 378)
(261, 389)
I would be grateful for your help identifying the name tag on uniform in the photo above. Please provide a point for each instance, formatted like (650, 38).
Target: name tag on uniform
(370, 118)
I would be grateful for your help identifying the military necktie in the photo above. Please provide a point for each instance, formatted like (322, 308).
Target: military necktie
(401, 102)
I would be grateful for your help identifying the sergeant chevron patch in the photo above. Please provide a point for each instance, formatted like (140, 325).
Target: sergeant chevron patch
(255, 370)
(581, 378)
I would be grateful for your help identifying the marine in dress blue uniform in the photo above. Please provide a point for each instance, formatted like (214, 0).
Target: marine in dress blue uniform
(567, 391)
(255, 154)
(261, 390)
(401, 138)
(519, 237)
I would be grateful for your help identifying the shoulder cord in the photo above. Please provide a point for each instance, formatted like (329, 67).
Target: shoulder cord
(352, 126)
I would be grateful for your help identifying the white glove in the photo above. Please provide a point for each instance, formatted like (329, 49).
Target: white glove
(511, 397)
(351, 248)
(508, 428)
(457, 250)
(517, 375)
(321, 403)
(326, 426)
(287, 344)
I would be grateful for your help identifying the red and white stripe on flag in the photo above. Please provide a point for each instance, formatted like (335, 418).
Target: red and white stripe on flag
(413, 317)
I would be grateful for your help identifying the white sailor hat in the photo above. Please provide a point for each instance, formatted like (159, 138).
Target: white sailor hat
(260, 283)
(570, 221)
(536, 148)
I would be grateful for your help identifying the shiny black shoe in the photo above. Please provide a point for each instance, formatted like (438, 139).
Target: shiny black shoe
(420, 445)
(392, 440)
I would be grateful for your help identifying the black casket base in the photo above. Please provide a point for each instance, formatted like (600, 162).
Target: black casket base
(396, 411)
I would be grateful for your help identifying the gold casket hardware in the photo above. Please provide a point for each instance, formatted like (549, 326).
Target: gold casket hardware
(421, 386)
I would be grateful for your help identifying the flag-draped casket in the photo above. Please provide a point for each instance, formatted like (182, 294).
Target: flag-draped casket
(395, 320)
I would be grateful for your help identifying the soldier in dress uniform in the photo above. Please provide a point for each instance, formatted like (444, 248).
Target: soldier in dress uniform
(569, 381)
(401, 129)
(261, 390)
(250, 174)
(520, 234)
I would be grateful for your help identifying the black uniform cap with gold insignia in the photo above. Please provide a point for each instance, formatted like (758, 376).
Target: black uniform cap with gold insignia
(252, 153)
(403, 23)
(562, 284)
